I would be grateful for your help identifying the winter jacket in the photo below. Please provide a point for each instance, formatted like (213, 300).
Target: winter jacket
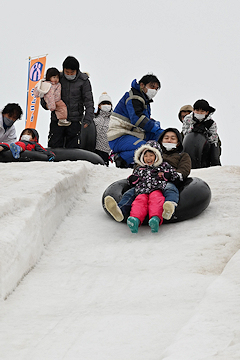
(30, 145)
(52, 96)
(33, 145)
(102, 123)
(180, 160)
(208, 127)
(9, 135)
(145, 177)
(132, 115)
(77, 95)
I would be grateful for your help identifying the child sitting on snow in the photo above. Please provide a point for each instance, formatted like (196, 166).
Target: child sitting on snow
(200, 121)
(28, 141)
(50, 90)
(150, 178)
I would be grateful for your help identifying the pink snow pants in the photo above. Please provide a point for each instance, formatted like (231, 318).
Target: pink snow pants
(61, 110)
(151, 204)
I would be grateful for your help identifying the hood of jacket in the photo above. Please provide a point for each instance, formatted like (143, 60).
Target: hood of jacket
(153, 146)
(135, 85)
(35, 133)
(179, 136)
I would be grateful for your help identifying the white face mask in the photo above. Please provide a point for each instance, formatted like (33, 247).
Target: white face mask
(106, 107)
(26, 137)
(169, 146)
(151, 93)
(200, 117)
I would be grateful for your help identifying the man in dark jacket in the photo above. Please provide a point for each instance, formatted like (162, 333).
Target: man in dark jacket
(77, 95)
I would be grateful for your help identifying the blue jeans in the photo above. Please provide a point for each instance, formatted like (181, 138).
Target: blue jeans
(170, 193)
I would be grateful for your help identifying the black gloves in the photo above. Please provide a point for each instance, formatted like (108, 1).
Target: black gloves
(133, 179)
(200, 128)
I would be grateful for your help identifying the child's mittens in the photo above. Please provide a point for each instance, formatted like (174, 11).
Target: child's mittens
(199, 128)
(167, 175)
(133, 179)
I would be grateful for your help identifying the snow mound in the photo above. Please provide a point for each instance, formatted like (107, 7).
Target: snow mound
(35, 198)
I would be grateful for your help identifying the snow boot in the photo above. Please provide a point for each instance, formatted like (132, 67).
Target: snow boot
(113, 209)
(168, 210)
(64, 122)
(154, 224)
(133, 224)
(15, 149)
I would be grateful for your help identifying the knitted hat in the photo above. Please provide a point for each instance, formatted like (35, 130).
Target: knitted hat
(71, 63)
(203, 105)
(104, 97)
(185, 108)
(153, 146)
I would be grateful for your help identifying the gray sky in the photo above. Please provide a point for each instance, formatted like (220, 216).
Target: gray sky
(191, 45)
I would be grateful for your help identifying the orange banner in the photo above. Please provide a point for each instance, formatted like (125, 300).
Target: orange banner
(35, 73)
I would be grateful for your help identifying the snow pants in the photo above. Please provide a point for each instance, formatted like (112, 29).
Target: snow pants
(151, 204)
(126, 145)
(61, 110)
(170, 193)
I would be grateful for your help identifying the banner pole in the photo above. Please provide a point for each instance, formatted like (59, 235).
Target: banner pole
(29, 59)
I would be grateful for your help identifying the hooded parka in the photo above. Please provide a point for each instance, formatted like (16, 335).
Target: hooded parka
(180, 160)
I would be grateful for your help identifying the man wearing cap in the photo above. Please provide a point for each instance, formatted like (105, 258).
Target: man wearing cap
(200, 121)
(77, 95)
(185, 110)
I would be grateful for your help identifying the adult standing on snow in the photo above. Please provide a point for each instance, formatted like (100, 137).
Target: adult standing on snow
(131, 124)
(77, 95)
(8, 116)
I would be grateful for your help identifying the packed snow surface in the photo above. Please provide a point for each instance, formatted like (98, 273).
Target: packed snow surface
(75, 284)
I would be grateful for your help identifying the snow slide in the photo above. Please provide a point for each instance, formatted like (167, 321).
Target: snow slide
(98, 291)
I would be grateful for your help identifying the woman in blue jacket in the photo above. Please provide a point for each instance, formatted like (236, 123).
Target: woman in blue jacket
(130, 124)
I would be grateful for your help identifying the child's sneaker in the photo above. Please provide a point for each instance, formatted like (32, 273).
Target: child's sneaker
(113, 209)
(154, 224)
(64, 122)
(15, 149)
(168, 210)
(133, 224)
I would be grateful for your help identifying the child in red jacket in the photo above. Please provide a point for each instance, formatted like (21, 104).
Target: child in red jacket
(28, 141)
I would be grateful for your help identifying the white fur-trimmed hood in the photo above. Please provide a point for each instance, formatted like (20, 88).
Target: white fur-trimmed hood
(150, 145)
